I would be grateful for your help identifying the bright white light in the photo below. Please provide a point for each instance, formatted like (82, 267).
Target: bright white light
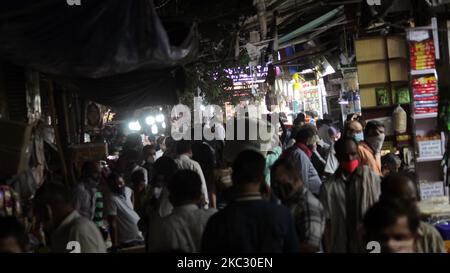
(154, 129)
(307, 71)
(330, 70)
(150, 120)
(202, 107)
(134, 126)
(160, 108)
(160, 118)
(164, 125)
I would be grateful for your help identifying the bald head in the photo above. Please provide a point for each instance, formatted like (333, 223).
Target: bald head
(399, 186)
(353, 127)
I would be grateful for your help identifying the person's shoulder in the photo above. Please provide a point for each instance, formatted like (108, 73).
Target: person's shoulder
(428, 230)
(203, 213)
(84, 225)
(311, 199)
(79, 186)
(274, 209)
(331, 180)
(219, 216)
(366, 171)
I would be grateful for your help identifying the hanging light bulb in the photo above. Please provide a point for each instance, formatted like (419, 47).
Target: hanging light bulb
(134, 126)
(150, 120)
(160, 118)
(154, 129)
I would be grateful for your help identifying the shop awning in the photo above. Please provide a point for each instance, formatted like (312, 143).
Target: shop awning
(311, 25)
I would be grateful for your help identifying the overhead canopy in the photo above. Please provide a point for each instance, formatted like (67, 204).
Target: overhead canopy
(99, 47)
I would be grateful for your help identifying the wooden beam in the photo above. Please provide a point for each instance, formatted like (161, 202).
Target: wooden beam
(53, 114)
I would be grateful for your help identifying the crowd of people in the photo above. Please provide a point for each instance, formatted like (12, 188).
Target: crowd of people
(315, 190)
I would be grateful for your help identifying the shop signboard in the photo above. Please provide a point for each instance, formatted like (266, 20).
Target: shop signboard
(431, 189)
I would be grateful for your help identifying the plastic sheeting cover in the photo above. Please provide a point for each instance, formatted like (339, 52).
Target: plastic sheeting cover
(99, 46)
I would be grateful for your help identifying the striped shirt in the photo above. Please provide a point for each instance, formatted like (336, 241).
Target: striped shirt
(98, 213)
(308, 216)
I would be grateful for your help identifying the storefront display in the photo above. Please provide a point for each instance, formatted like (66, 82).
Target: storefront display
(425, 94)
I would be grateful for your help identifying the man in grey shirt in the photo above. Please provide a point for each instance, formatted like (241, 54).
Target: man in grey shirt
(86, 188)
(300, 155)
(346, 196)
(122, 218)
(183, 229)
(69, 231)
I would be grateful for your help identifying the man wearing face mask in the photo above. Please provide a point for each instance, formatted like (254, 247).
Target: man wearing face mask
(301, 153)
(63, 224)
(370, 148)
(306, 210)
(122, 219)
(352, 129)
(85, 191)
(400, 186)
(394, 225)
(346, 196)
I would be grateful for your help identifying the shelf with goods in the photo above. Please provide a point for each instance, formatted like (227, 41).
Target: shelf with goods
(428, 141)
(382, 64)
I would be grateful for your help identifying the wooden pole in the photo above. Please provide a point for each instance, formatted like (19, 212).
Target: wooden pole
(56, 130)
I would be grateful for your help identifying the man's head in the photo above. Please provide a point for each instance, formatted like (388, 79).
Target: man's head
(319, 123)
(160, 142)
(51, 204)
(307, 135)
(184, 147)
(133, 158)
(248, 171)
(374, 135)
(138, 181)
(354, 129)
(185, 188)
(334, 134)
(149, 153)
(116, 183)
(91, 169)
(299, 120)
(163, 169)
(399, 186)
(347, 154)
(390, 164)
(285, 181)
(13, 238)
(394, 224)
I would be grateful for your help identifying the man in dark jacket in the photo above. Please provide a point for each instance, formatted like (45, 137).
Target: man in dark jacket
(250, 224)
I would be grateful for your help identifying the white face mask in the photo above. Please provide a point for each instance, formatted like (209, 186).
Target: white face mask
(157, 192)
(376, 142)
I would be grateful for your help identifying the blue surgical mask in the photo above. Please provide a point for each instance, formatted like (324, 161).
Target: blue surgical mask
(359, 137)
